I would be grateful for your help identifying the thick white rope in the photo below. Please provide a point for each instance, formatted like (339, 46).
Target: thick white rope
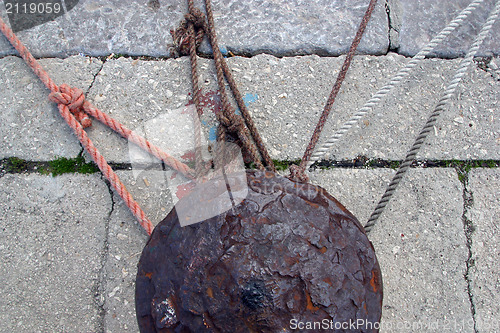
(448, 94)
(398, 78)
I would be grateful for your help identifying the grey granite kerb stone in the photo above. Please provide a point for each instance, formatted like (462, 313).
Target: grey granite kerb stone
(143, 27)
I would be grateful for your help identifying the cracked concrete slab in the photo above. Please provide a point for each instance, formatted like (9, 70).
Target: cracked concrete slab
(51, 241)
(484, 215)
(30, 125)
(143, 28)
(126, 240)
(422, 20)
(420, 244)
(286, 95)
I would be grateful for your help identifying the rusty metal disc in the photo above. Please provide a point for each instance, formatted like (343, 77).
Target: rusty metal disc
(288, 256)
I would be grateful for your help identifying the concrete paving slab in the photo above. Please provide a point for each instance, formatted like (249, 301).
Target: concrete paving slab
(465, 130)
(420, 244)
(419, 21)
(286, 95)
(156, 92)
(142, 28)
(296, 27)
(52, 237)
(484, 215)
(126, 240)
(30, 125)
(96, 28)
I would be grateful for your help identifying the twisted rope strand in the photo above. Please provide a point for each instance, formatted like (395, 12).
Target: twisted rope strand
(229, 118)
(246, 116)
(397, 79)
(196, 93)
(105, 168)
(298, 172)
(449, 93)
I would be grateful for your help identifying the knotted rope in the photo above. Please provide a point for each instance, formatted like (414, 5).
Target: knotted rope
(182, 36)
(73, 98)
(187, 37)
(75, 110)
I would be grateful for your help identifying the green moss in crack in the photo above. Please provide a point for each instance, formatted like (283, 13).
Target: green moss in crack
(394, 164)
(70, 165)
(15, 165)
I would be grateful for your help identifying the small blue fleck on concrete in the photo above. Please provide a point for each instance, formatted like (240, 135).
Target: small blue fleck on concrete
(250, 98)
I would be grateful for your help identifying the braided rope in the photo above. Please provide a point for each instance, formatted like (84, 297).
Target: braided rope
(449, 93)
(397, 79)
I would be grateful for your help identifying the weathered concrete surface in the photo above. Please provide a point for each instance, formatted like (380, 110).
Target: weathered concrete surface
(126, 240)
(156, 91)
(299, 27)
(420, 244)
(143, 28)
(51, 242)
(420, 21)
(484, 215)
(286, 96)
(97, 28)
(31, 126)
(467, 129)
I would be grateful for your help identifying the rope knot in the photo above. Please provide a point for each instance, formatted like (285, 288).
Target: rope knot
(74, 99)
(185, 33)
(297, 174)
(196, 17)
(235, 124)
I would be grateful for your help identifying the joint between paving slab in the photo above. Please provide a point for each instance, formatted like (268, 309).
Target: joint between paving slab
(485, 64)
(469, 228)
(14, 165)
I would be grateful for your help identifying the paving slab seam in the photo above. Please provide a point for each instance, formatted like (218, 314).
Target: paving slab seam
(468, 201)
(394, 12)
(14, 165)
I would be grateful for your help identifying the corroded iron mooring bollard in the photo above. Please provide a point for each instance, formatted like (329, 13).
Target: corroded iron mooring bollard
(288, 255)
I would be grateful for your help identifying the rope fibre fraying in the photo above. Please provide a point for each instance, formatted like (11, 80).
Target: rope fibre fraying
(448, 94)
(397, 79)
(75, 110)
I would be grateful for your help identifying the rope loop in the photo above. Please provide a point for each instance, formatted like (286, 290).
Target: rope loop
(298, 174)
(74, 99)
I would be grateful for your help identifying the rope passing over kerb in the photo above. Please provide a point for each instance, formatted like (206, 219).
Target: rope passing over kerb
(76, 110)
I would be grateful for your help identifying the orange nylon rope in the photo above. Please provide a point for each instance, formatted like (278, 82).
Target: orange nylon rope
(75, 110)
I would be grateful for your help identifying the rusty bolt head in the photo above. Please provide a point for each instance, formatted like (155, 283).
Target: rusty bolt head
(289, 253)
